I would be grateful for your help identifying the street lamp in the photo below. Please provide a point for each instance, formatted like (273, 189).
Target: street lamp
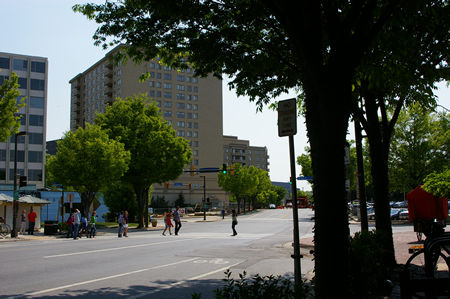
(15, 193)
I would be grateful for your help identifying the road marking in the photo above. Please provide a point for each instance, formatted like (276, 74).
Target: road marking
(115, 248)
(182, 281)
(109, 277)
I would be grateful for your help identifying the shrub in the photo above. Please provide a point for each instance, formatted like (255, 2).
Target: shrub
(369, 266)
(260, 287)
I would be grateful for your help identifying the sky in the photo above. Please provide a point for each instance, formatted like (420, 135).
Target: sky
(49, 28)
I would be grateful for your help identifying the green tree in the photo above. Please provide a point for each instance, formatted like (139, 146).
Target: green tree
(438, 184)
(9, 106)
(268, 47)
(157, 155)
(240, 184)
(88, 160)
(120, 197)
(420, 146)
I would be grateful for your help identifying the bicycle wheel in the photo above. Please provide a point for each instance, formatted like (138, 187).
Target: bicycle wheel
(416, 266)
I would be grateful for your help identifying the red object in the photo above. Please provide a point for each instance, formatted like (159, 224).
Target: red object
(32, 216)
(424, 206)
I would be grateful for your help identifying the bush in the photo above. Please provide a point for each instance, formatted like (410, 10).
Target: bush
(369, 265)
(260, 287)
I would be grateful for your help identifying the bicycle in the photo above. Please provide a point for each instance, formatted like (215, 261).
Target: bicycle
(5, 229)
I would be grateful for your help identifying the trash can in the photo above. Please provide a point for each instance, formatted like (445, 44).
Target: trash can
(50, 227)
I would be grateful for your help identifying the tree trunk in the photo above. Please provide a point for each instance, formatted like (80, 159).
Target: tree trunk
(146, 206)
(141, 205)
(327, 122)
(379, 149)
(86, 201)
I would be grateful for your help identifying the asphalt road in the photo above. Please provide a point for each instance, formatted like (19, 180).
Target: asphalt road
(149, 265)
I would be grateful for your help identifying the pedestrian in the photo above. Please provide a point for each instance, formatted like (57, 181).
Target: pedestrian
(223, 214)
(234, 222)
(125, 224)
(177, 219)
(23, 222)
(76, 223)
(69, 223)
(31, 221)
(120, 221)
(92, 221)
(84, 227)
(168, 223)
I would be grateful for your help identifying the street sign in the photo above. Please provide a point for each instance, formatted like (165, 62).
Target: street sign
(178, 184)
(304, 178)
(287, 117)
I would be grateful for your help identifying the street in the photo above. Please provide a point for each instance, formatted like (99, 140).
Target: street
(147, 264)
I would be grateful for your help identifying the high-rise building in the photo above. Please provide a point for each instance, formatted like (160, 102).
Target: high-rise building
(33, 77)
(240, 151)
(192, 105)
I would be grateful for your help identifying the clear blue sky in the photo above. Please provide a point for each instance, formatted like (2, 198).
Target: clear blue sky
(49, 28)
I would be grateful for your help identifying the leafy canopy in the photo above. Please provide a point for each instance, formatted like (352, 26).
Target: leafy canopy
(9, 106)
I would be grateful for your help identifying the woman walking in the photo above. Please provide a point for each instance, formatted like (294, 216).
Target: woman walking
(23, 222)
(234, 222)
(168, 223)
(125, 224)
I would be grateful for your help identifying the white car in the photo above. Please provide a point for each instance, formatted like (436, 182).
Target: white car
(271, 206)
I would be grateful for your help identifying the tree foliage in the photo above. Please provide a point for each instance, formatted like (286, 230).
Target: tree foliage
(88, 160)
(9, 106)
(157, 155)
(438, 184)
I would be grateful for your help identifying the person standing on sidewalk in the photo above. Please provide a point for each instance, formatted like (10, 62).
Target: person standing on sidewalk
(120, 221)
(125, 224)
(76, 223)
(92, 221)
(234, 222)
(177, 219)
(31, 221)
(23, 222)
(69, 223)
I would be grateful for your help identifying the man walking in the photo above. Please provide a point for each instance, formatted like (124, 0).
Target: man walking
(177, 219)
(76, 223)
(120, 221)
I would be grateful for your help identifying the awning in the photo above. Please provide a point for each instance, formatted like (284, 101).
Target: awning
(27, 199)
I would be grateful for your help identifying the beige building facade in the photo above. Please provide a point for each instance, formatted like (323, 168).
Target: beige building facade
(240, 151)
(192, 105)
(33, 78)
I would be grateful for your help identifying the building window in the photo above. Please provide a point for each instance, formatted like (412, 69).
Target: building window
(189, 115)
(188, 106)
(35, 138)
(151, 83)
(167, 85)
(189, 133)
(196, 153)
(4, 63)
(189, 88)
(2, 155)
(2, 174)
(195, 134)
(180, 105)
(194, 79)
(168, 95)
(20, 156)
(19, 172)
(196, 162)
(20, 65)
(195, 107)
(189, 97)
(22, 83)
(151, 65)
(36, 102)
(180, 87)
(38, 67)
(158, 94)
(22, 118)
(167, 113)
(152, 93)
(180, 124)
(34, 174)
(158, 84)
(168, 104)
(180, 114)
(37, 84)
(35, 156)
(167, 76)
(180, 133)
(195, 116)
(195, 89)
(195, 125)
(158, 103)
(158, 76)
(195, 98)
(36, 120)
(188, 79)
(3, 78)
(180, 78)
(195, 143)
(180, 96)
(20, 139)
(189, 125)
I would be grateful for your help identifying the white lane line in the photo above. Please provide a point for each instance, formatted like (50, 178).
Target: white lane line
(109, 277)
(115, 248)
(181, 282)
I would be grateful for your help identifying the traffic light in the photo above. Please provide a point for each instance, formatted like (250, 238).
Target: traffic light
(22, 181)
(232, 169)
(224, 168)
(192, 170)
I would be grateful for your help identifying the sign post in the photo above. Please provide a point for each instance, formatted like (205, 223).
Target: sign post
(287, 126)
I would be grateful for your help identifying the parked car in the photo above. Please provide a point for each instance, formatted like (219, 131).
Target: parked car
(395, 213)
(272, 206)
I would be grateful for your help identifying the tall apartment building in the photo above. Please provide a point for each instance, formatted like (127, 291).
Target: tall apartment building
(193, 106)
(240, 151)
(33, 77)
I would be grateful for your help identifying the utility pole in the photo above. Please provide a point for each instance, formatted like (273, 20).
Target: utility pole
(15, 192)
(204, 196)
